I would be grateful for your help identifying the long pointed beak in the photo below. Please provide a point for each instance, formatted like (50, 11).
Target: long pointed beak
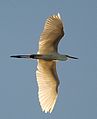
(20, 56)
(33, 56)
(71, 57)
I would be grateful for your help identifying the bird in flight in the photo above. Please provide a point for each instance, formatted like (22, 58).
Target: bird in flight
(47, 78)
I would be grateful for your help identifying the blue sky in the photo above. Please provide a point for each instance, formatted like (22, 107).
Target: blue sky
(21, 22)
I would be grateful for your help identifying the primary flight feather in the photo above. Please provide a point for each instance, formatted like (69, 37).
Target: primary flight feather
(47, 78)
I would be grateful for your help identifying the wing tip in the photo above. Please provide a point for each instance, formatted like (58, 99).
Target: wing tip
(51, 106)
(59, 15)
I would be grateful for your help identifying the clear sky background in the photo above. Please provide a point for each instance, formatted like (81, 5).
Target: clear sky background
(21, 22)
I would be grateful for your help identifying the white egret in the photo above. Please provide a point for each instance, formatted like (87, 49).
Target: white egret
(47, 55)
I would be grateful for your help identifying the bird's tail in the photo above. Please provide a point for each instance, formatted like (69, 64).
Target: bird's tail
(33, 56)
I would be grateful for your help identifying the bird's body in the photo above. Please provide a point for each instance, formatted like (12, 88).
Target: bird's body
(47, 55)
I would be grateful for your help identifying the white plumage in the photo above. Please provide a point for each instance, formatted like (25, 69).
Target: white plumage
(47, 55)
(46, 74)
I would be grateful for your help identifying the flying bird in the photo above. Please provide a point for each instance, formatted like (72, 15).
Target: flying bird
(47, 55)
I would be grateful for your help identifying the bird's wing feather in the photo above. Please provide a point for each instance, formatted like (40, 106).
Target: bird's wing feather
(51, 35)
(48, 82)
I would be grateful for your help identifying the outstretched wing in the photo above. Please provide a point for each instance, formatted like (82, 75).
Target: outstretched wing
(51, 35)
(48, 82)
